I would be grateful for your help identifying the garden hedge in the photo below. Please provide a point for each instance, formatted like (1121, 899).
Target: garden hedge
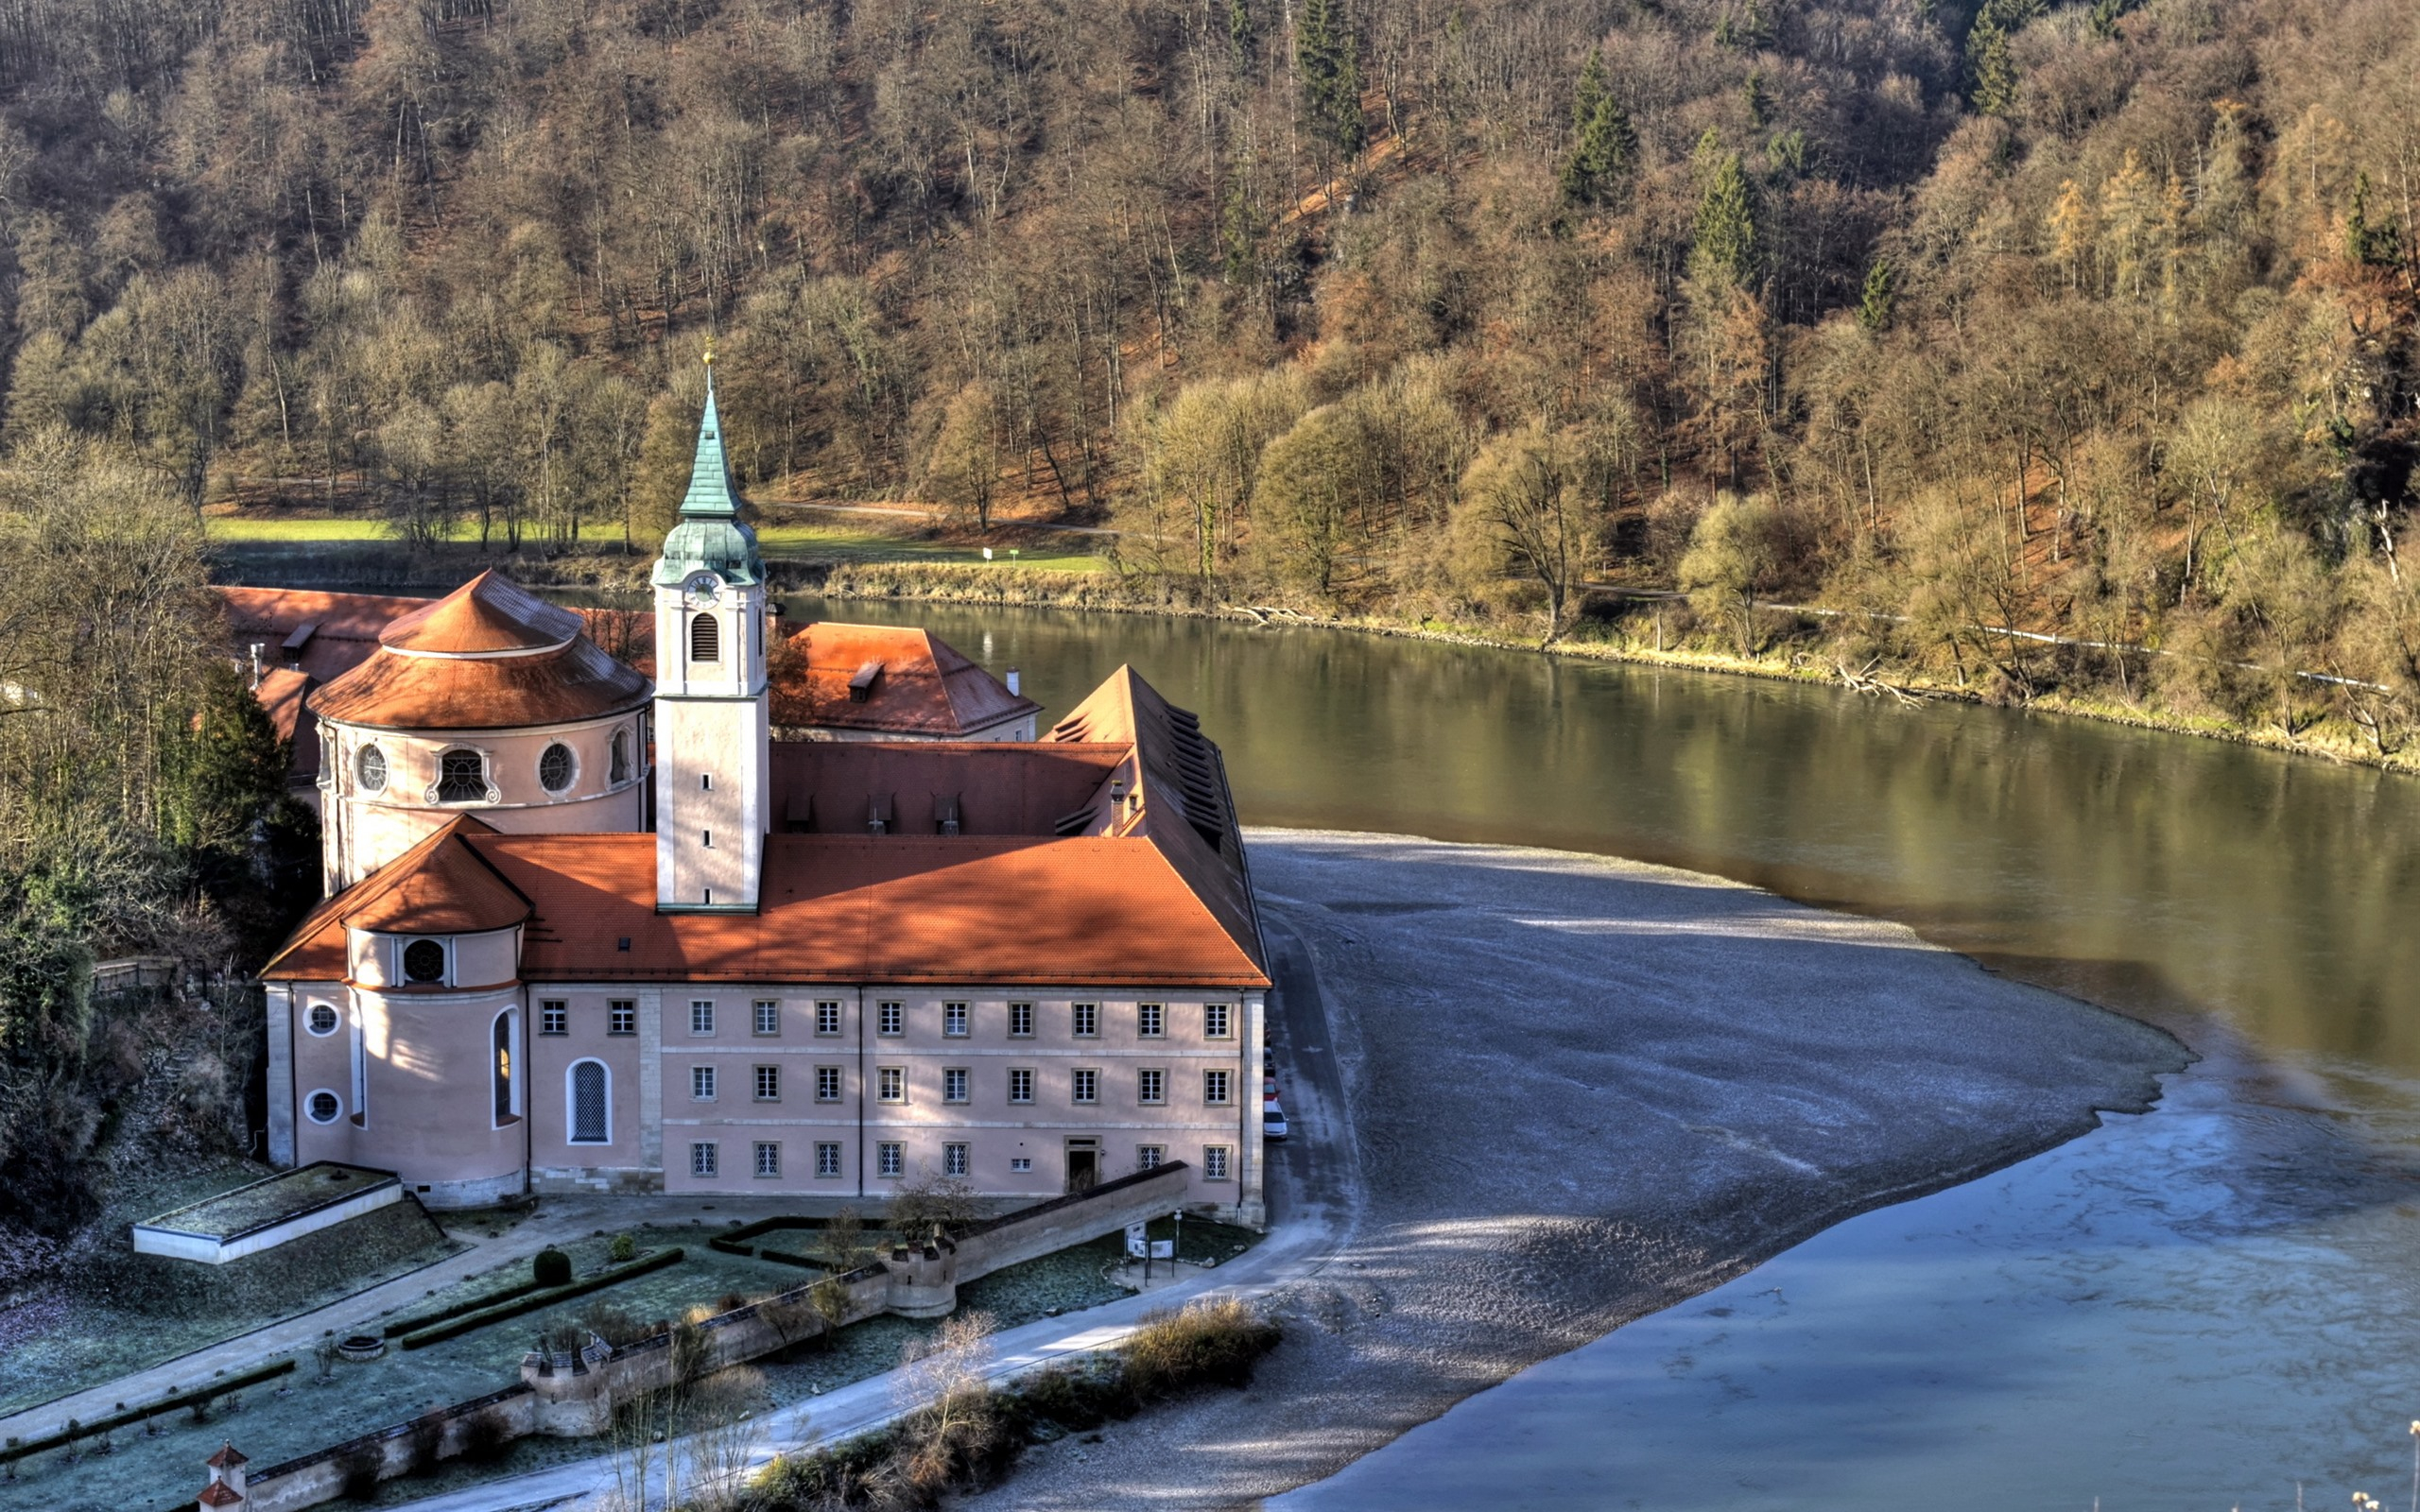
(117, 1420)
(530, 1303)
(414, 1322)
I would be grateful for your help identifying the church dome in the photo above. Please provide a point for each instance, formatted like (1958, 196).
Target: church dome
(490, 654)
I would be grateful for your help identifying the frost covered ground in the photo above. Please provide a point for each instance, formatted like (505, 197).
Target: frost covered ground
(1580, 1090)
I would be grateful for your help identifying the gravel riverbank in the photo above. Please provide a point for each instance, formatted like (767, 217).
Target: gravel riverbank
(1580, 1090)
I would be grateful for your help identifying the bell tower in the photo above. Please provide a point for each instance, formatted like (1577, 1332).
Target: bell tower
(712, 727)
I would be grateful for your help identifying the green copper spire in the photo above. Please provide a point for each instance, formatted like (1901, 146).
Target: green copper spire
(710, 534)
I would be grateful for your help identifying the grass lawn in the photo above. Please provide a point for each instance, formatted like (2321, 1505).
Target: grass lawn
(125, 1311)
(237, 528)
(299, 1415)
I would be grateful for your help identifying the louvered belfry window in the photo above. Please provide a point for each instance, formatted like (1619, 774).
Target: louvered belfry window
(705, 639)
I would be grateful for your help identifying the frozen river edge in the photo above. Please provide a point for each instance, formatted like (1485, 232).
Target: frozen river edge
(1579, 1091)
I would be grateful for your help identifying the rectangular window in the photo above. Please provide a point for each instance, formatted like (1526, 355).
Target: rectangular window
(954, 1020)
(827, 1159)
(769, 1083)
(1021, 1020)
(702, 1084)
(1214, 1021)
(1148, 1156)
(827, 1017)
(1084, 1020)
(954, 1084)
(1150, 1021)
(889, 1159)
(701, 1017)
(553, 1018)
(1213, 1162)
(621, 1016)
(893, 1082)
(1020, 1085)
(890, 1018)
(1215, 1086)
(827, 1083)
(769, 1017)
(702, 1159)
(1084, 1086)
(1152, 1086)
(953, 1159)
(769, 1157)
(1021, 1163)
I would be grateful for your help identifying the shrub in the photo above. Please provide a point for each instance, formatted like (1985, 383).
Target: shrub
(1214, 1342)
(622, 1250)
(551, 1267)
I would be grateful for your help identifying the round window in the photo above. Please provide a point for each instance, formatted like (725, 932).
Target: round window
(323, 1107)
(323, 1019)
(372, 767)
(423, 961)
(555, 767)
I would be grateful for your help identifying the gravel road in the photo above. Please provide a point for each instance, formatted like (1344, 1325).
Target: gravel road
(1579, 1090)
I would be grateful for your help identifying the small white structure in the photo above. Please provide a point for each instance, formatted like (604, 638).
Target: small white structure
(265, 1215)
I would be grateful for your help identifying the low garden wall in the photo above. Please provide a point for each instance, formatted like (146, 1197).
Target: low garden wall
(573, 1394)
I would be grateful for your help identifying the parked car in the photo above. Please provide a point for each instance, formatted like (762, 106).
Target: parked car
(1272, 1123)
(1267, 1062)
(1269, 1089)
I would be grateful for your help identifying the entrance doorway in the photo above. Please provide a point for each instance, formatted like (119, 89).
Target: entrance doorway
(1084, 1164)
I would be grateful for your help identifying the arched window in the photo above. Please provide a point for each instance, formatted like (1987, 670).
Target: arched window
(424, 961)
(706, 638)
(619, 771)
(555, 767)
(461, 777)
(591, 1104)
(371, 768)
(504, 1100)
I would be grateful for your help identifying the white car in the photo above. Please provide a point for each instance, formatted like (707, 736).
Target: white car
(1272, 1123)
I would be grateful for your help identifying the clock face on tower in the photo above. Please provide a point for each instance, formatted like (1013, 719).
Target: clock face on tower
(700, 590)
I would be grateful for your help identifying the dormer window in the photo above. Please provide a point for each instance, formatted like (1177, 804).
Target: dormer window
(424, 961)
(461, 777)
(705, 639)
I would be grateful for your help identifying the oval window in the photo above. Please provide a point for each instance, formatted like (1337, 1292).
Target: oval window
(370, 766)
(323, 1019)
(555, 767)
(323, 1107)
(423, 961)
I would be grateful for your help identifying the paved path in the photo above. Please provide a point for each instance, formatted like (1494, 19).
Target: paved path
(1312, 1211)
(556, 1220)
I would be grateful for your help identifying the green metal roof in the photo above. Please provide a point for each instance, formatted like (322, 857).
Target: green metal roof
(710, 533)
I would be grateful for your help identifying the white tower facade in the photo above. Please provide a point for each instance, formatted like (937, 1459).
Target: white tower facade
(712, 723)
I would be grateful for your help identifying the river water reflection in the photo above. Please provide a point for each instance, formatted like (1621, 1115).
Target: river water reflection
(2195, 1309)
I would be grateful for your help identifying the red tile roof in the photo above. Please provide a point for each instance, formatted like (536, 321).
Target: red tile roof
(219, 1493)
(490, 616)
(344, 626)
(1016, 788)
(442, 886)
(228, 1454)
(921, 686)
(438, 692)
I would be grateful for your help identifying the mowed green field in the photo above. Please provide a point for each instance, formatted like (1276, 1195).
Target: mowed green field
(790, 543)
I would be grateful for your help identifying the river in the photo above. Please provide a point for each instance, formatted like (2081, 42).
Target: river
(2209, 1306)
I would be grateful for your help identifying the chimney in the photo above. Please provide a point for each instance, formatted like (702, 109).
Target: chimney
(1013, 680)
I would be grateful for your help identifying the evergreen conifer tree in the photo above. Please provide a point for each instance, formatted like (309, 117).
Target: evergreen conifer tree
(1724, 250)
(1873, 305)
(1330, 58)
(1603, 141)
